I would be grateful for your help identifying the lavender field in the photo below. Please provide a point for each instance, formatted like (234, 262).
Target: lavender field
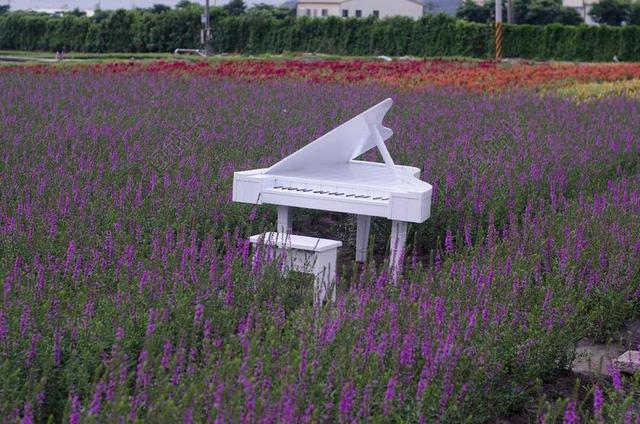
(129, 292)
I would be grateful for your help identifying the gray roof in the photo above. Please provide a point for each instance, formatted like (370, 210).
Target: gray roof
(343, 1)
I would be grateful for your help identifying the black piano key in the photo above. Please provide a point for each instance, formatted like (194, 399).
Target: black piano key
(385, 198)
(320, 192)
(277, 187)
(339, 194)
(377, 198)
(350, 195)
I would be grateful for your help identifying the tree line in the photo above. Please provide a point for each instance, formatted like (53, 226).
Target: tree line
(266, 29)
(544, 12)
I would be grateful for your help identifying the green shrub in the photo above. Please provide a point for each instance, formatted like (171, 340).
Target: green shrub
(440, 35)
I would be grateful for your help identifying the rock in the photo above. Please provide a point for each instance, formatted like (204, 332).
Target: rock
(628, 362)
(385, 58)
(594, 358)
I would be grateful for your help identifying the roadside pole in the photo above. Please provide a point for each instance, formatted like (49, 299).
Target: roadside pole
(499, 35)
(206, 36)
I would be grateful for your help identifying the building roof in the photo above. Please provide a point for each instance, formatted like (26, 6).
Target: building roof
(322, 1)
(344, 1)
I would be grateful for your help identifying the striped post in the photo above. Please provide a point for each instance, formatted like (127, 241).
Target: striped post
(499, 40)
(498, 29)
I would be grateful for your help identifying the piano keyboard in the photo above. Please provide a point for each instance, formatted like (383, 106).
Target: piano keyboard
(336, 194)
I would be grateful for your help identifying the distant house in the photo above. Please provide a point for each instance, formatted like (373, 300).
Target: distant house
(359, 8)
(61, 11)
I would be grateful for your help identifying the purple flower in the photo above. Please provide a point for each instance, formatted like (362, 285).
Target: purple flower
(346, 399)
(4, 326)
(25, 320)
(143, 281)
(198, 314)
(119, 334)
(143, 378)
(27, 416)
(598, 401)
(448, 242)
(408, 345)
(74, 418)
(166, 354)
(71, 255)
(151, 322)
(570, 415)
(188, 416)
(96, 401)
(389, 394)
(615, 377)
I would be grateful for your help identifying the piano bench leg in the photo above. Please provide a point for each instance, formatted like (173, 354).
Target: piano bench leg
(325, 276)
(398, 242)
(284, 219)
(362, 237)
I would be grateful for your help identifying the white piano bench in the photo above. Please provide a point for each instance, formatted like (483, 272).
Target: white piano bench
(307, 255)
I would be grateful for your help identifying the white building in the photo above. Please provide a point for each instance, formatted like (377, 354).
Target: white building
(360, 8)
(62, 11)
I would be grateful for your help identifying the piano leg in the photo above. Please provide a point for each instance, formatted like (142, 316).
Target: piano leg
(398, 242)
(362, 237)
(284, 219)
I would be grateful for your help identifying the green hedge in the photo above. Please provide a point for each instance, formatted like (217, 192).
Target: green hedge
(143, 31)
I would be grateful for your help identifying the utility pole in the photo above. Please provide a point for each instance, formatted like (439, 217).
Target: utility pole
(499, 29)
(511, 19)
(206, 32)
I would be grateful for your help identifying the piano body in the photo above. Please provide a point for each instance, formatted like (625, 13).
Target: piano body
(324, 175)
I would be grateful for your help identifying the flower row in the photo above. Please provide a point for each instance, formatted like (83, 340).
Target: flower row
(473, 75)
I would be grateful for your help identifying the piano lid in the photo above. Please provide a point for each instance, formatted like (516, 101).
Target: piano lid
(340, 145)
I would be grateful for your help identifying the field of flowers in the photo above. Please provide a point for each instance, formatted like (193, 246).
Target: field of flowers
(471, 75)
(591, 90)
(129, 291)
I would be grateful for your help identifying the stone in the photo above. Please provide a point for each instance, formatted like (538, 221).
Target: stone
(628, 362)
(594, 358)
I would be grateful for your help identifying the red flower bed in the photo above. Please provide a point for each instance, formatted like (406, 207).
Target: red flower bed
(483, 76)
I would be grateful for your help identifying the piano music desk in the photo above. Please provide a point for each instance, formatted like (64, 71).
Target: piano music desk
(312, 255)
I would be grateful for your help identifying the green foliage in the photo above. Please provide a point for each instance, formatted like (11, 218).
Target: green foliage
(534, 12)
(634, 14)
(159, 8)
(267, 10)
(264, 29)
(76, 12)
(4, 9)
(186, 4)
(597, 401)
(544, 12)
(611, 12)
(235, 7)
(473, 12)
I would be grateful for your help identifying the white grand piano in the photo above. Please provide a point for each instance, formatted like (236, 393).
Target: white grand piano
(324, 175)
